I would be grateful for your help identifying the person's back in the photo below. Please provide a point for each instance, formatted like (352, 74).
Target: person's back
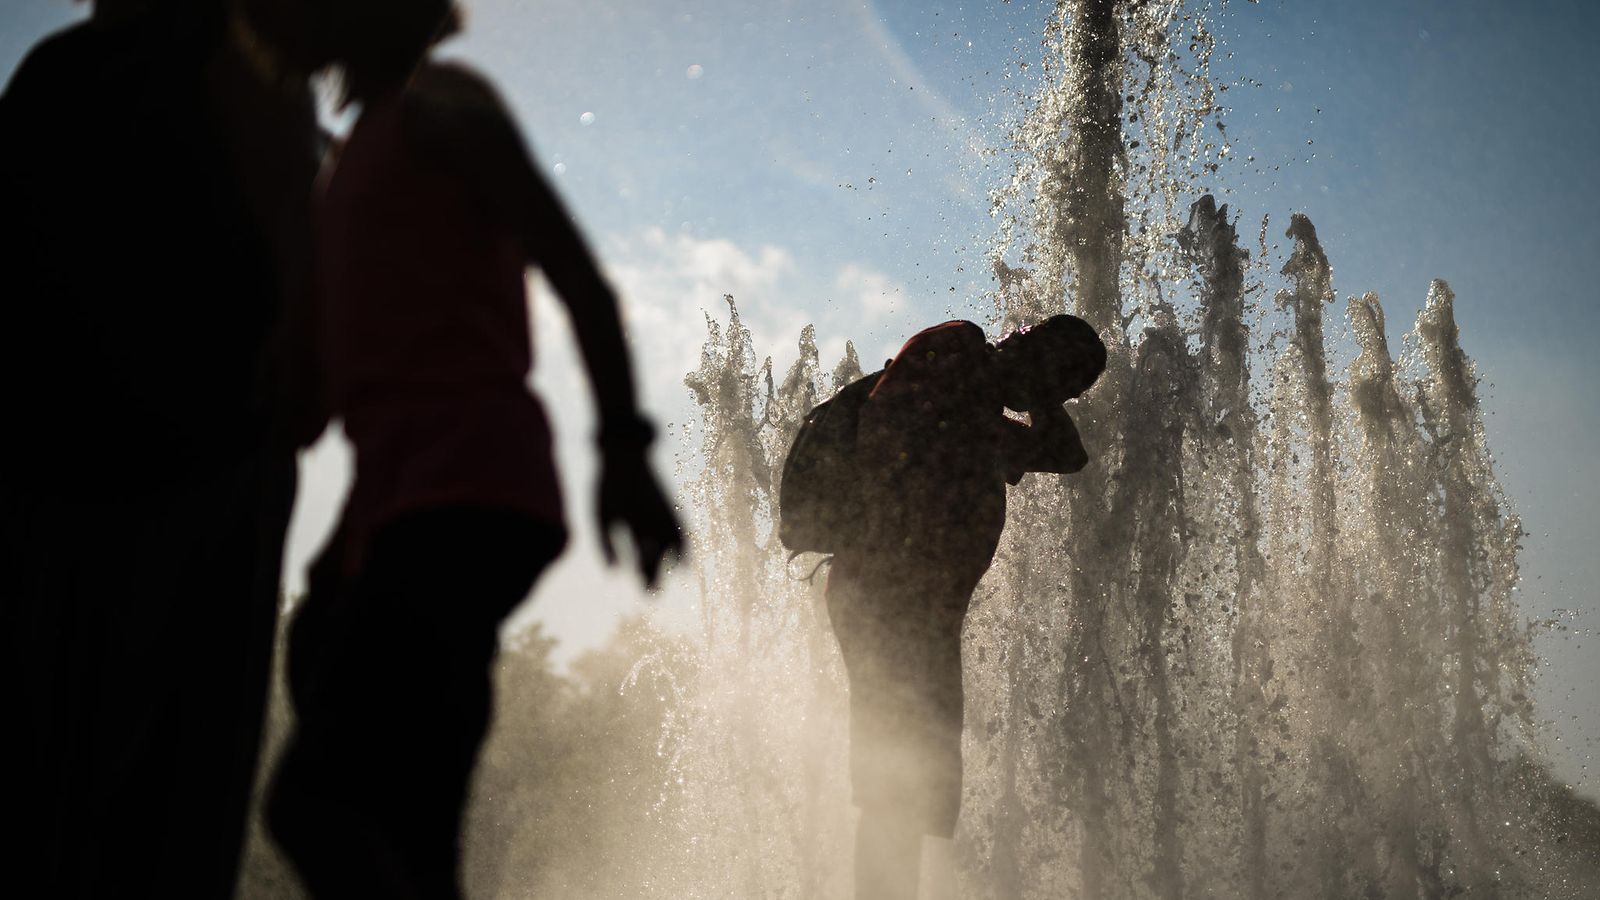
(932, 433)
(145, 490)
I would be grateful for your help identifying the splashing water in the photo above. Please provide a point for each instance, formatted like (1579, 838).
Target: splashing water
(1266, 645)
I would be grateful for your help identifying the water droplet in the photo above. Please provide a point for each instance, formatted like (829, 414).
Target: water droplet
(586, 119)
(694, 71)
(561, 168)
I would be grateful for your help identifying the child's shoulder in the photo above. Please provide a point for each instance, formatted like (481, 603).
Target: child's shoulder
(451, 83)
(946, 340)
(958, 333)
(942, 364)
(452, 98)
(450, 111)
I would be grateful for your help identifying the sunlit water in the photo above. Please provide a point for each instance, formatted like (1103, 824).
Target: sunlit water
(1266, 645)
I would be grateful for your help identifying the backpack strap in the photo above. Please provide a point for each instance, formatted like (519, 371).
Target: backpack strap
(812, 575)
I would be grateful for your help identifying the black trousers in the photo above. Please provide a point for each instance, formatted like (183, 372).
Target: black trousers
(136, 631)
(390, 675)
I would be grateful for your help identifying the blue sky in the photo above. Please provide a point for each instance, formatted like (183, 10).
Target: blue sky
(823, 161)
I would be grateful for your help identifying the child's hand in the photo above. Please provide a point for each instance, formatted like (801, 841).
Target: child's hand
(631, 497)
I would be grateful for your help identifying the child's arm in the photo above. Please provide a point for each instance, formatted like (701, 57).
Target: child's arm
(1049, 443)
(456, 119)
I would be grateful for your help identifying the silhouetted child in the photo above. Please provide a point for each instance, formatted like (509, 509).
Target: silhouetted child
(430, 219)
(936, 450)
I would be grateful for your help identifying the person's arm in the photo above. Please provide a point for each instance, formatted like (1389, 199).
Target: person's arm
(1049, 443)
(455, 119)
(553, 244)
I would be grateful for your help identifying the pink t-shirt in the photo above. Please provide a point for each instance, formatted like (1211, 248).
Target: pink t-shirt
(426, 340)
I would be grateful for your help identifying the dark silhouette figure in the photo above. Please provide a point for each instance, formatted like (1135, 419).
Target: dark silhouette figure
(155, 179)
(936, 451)
(431, 216)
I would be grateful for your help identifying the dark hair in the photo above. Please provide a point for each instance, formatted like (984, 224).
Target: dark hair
(1051, 361)
(116, 9)
(1060, 337)
(199, 16)
(376, 45)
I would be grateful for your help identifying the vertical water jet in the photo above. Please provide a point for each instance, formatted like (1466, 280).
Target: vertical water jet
(1386, 537)
(1346, 865)
(1090, 225)
(1211, 243)
(1259, 648)
(1476, 575)
(1149, 492)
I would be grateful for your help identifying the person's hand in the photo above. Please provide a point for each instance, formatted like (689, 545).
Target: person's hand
(631, 497)
(1057, 447)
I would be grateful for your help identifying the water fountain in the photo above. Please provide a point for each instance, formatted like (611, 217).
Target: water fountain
(1265, 647)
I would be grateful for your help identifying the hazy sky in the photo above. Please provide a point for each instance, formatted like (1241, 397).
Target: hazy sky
(823, 162)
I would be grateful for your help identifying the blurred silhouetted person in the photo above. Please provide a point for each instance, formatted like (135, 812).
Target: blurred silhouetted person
(431, 216)
(931, 453)
(156, 165)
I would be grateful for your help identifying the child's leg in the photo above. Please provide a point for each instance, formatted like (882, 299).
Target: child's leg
(888, 857)
(369, 796)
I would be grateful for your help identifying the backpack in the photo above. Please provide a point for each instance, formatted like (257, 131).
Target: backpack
(820, 498)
